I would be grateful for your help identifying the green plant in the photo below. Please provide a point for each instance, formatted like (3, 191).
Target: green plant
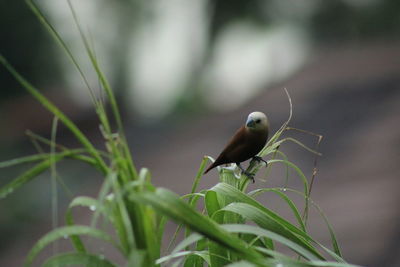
(138, 211)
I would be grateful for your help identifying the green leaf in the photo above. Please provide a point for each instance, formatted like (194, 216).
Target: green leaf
(66, 232)
(282, 195)
(138, 258)
(336, 254)
(88, 202)
(199, 175)
(169, 204)
(121, 220)
(228, 190)
(211, 203)
(265, 221)
(249, 229)
(202, 254)
(196, 260)
(22, 160)
(296, 169)
(25, 178)
(82, 259)
(241, 264)
(218, 253)
(57, 112)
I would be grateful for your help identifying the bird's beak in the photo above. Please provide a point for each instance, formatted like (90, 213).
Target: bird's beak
(250, 123)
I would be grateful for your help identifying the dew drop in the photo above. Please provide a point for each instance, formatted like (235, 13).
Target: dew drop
(284, 189)
(65, 236)
(92, 207)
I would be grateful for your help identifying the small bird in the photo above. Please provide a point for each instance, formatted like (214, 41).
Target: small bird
(246, 143)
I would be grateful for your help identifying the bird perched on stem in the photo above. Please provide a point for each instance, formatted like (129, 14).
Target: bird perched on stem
(246, 143)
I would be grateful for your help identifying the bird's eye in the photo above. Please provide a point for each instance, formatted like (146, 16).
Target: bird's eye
(258, 121)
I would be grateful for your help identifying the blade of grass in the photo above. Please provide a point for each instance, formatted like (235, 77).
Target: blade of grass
(249, 229)
(29, 175)
(57, 112)
(40, 16)
(239, 196)
(199, 175)
(337, 255)
(172, 206)
(288, 201)
(262, 219)
(63, 232)
(53, 172)
(122, 223)
(202, 254)
(81, 259)
(92, 204)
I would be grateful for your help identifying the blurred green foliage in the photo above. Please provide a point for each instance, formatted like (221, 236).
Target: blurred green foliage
(27, 46)
(339, 21)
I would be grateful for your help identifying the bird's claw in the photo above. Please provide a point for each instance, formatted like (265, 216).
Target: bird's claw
(249, 175)
(260, 159)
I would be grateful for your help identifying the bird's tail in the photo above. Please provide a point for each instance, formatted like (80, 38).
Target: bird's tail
(211, 167)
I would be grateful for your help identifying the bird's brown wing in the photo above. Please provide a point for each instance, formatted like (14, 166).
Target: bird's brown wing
(235, 145)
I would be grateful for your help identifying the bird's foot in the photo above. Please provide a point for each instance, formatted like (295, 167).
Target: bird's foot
(260, 159)
(249, 175)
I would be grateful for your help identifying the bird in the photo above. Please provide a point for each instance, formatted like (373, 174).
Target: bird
(245, 143)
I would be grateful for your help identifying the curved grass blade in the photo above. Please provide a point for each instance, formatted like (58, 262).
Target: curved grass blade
(122, 222)
(39, 168)
(60, 41)
(296, 169)
(193, 198)
(27, 176)
(96, 67)
(239, 196)
(26, 159)
(71, 153)
(81, 259)
(249, 229)
(172, 206)
(93, 205)
(195, 261)
(330, 264)
(213, 206)
(203, 254)
(336, 254)
(286, 261)
(199, 175)
(58, 113)
(241, 264)
(290, 203)
(291, 139)
(191, 239)
(65, 232)
(266, 222)
(282, 128)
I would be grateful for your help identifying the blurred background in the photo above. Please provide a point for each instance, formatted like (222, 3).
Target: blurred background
(187, 73)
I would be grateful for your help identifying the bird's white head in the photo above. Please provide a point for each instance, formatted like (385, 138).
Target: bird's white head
(257, 121)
